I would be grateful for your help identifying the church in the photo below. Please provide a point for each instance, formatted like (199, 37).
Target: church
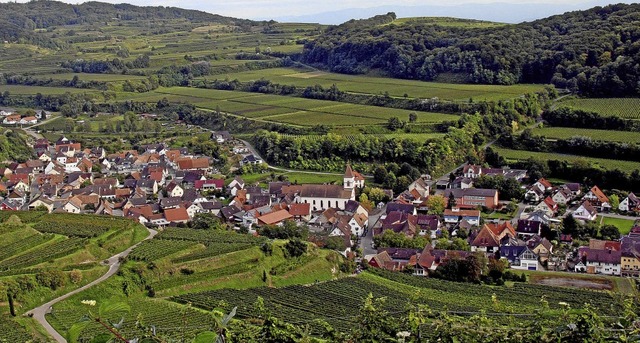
(322, 197)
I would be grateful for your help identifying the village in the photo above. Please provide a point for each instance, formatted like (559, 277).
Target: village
(159, 187)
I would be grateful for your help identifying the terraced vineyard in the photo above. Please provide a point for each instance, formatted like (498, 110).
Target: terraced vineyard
(157, 248)
(599, 135)
(44, 253)
(628, 108)
(92, 226)
(338, 302)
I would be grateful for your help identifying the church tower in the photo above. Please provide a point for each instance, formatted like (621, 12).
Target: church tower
(349, 180)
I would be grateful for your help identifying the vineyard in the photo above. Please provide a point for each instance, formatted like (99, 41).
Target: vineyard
(208, 236)
(338, 302)
(167, 318)
(628, 108)
(521, 155)
(598, 135)
(212, 249)
(80, 225)
(11, 332)
(156, 249)
(395, 87)
(297, 111)
(44, 253)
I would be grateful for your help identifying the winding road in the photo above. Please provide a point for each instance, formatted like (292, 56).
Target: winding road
(113, 262)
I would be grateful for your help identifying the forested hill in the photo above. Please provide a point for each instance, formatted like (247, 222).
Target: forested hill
(595, 52)
(19, 20)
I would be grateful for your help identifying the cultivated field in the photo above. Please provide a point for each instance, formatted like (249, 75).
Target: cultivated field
(622, 107)
(380, 85)
(598, 135)
(521, 155)
(295, 111)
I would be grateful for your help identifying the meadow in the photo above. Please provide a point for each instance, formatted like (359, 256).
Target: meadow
(628, 108)
(624, 225)
(597, 135)
(379, 85)
(521, 155)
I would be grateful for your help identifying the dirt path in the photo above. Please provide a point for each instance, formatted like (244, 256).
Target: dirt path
(113, 262)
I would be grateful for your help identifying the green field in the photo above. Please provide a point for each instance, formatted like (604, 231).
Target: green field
(521, 155)
(295, 111)
(378, 85)
(622, 107)
(598, 135)
(624, 225)
(91, 77)
(32, 90)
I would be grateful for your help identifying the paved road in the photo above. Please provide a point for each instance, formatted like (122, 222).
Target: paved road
(29, 130)
(618, 216)
(113, 263)
(367, 240)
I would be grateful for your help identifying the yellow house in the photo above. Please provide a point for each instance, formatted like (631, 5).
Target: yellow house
(630, 261)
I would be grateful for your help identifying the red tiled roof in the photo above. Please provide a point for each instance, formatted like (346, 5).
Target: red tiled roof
(275, 217)
(176, 214)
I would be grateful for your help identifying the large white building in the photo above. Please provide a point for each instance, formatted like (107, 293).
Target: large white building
(322, 197)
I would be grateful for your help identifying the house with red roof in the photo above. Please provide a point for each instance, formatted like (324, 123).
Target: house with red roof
(597, 199)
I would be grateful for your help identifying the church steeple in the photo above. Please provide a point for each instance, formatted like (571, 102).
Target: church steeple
(349, 179)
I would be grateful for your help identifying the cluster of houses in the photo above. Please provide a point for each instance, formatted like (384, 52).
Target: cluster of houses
(520, 241)
(157, 185)
(611, 257)
(12, 118)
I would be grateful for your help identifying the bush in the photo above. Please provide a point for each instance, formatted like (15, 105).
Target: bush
(53, 279)
(295, 248)
(75, 276)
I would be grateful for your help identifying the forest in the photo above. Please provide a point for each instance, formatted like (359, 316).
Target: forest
(592, 52)
(21, 19)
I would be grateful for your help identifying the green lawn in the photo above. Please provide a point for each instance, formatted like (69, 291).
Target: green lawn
(624, 225)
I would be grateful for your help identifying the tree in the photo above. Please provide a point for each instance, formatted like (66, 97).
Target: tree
(609, 232)
(614, 201)
(374, 324)
(570, 225)
(206, 221)
(451, 202)
(295, 248)
(75, 276)
(53, 279)
(413, 117)
(394, 123)
(436, 204)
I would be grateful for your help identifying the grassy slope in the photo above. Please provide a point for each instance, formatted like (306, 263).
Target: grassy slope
(519, 155)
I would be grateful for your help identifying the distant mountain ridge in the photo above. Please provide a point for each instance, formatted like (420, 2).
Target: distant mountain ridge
(497, 12)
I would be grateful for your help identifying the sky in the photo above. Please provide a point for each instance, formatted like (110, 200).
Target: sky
(261, 9)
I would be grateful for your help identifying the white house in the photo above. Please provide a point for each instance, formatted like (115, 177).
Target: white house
(520, 257)
(602, 261)
(174, 190)
(28, 120)
(562, 196)
(585, 212)
(630, 203)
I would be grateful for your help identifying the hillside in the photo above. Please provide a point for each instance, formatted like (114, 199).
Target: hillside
(19, 20)
(13, 147)
(593, 52)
